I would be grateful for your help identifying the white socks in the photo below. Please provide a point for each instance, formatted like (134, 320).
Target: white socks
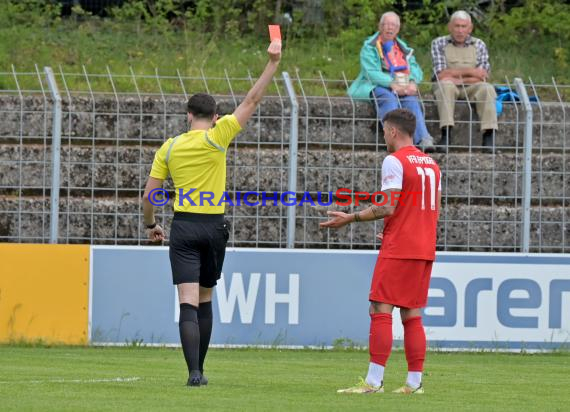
(375, 374)
(414, 379)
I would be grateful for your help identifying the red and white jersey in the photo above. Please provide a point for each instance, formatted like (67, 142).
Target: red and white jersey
(410, 233)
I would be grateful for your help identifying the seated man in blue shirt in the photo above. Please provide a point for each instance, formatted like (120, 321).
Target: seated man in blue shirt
(389, 74)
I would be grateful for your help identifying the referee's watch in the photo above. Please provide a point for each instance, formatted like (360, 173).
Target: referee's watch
(151, 226)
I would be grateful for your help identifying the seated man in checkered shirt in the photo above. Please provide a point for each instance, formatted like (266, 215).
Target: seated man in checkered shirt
(461, 67)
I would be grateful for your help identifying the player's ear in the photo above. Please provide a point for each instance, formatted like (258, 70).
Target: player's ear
(190, 117)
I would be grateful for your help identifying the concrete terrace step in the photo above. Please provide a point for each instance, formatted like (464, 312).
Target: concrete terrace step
(110, 168)
(324, 122)
(102, 220)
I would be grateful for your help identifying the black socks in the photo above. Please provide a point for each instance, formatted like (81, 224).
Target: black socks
(205, 320)
(189, 335)
(195, 325)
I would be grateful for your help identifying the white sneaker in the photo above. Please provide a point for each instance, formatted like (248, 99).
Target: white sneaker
(363, 387)
(408, 390)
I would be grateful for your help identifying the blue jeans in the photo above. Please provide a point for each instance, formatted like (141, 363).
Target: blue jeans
(386, 101)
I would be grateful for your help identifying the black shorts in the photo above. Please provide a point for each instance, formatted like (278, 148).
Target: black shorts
(197, 248)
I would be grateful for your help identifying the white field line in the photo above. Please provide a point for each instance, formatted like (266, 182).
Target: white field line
(104, 380)
(324, 347)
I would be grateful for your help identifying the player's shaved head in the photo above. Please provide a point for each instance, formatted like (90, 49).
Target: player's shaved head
(403, 120)
(202, 106)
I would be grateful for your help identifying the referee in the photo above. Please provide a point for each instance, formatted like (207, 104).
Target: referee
(196, 161)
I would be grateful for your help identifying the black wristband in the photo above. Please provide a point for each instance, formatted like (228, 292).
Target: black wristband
(357, 217)
(152, 226)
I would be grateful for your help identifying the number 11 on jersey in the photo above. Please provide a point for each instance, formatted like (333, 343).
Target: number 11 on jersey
(423, 172)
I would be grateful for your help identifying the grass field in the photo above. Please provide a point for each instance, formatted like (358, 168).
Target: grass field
(67, 378)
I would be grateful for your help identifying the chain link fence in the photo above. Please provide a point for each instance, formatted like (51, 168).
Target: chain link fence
(111, 125)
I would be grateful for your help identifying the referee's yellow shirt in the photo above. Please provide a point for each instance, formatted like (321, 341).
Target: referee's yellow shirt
(196, 161)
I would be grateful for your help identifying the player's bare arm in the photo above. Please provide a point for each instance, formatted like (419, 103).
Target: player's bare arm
(374, 212)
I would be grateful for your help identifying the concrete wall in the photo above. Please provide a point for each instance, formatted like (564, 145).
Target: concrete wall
(108, 146)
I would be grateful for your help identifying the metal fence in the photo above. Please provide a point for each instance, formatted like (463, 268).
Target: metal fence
(306, 137)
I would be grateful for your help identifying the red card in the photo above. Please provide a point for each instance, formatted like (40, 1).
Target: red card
(274, 32)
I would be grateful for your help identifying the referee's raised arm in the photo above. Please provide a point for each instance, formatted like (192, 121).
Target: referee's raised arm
(245, 110)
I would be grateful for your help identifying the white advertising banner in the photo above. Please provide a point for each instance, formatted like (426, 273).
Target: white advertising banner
(320, 297)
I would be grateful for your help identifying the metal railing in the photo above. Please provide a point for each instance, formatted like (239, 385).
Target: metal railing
(307, 137)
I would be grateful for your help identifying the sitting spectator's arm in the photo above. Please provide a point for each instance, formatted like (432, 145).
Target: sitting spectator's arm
(471, 79)
(438, 56)
(475, 75)
(399, 89)
(372, 70)
(416, 73)
(416, 76)
(483, 63)
(412, 89)
(465, 75)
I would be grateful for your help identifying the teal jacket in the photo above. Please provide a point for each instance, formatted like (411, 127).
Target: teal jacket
(373, 70)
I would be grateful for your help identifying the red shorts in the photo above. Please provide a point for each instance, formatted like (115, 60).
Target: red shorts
(401, 282)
